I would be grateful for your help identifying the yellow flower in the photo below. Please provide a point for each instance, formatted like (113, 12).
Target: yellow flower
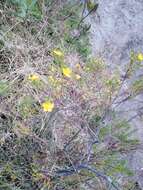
(48, 106)
(57, 53)
(67, 72)
(78, 77)
(34, 77)
(140, 57)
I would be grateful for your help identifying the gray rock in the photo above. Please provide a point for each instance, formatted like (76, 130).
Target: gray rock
(116, 29)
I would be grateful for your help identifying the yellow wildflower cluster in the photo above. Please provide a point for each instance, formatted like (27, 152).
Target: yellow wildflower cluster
(48, 106)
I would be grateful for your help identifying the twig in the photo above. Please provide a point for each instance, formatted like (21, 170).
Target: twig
(83, 18)
(71, 171)
(72, 138)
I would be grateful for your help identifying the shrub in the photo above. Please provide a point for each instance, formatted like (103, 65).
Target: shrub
(57, 126)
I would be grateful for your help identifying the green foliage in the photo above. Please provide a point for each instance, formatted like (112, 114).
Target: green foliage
(26, 7)
(115, 139)
(121, 130)
(95, 120)
(113, 83)
(38, 85)
(81, 45)
(76, 37)
(121, 168)
(26, 106)
(112, 163)
(72, 37)
(133, 65)
(91, 5)
(104, 131)
(4, 88)
(95, 65)
(1, 44)
(137, 87)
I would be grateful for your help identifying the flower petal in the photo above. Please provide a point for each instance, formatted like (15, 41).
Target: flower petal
(57, 53)
(34, 77)
(48, 106)
(140, 57)
(67, 72)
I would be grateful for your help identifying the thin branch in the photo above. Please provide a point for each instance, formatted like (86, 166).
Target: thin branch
(83, 18)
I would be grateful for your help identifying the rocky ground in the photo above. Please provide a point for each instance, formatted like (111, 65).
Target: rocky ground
(116, 30)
